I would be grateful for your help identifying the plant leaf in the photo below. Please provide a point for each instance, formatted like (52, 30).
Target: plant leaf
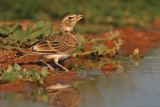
(10, 76)
(9, 69)
(17, 67)
(1, 72)
(44, 71)
(100, 47)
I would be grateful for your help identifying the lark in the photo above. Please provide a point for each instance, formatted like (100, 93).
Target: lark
(58, 46)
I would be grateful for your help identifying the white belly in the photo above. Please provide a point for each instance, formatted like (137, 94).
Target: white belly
(60, 56)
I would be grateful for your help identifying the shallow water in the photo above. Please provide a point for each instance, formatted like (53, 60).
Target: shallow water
(136, 84)
(136, 87)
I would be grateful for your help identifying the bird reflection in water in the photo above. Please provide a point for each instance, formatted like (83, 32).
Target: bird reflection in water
(59, 95)
(63, 95)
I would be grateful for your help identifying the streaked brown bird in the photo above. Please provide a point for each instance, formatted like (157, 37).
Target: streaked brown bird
(59, 46)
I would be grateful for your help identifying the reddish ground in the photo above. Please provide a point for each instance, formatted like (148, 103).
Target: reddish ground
(17, 86)
(144, 40)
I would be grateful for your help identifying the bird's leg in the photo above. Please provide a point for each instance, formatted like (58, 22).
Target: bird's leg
(48, 65)
(56, 62)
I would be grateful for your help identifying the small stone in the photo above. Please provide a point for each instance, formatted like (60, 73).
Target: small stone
(108, 68)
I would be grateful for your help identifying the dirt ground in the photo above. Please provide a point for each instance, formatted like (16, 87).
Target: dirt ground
(142, 39)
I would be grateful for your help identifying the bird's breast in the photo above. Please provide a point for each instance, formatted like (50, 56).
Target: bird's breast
(60, 56)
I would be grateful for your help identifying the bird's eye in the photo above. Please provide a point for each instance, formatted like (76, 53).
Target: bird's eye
(70, 18)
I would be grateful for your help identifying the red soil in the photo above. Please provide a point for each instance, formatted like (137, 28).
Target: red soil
(17, 86)
(144, 40)
(108, 68)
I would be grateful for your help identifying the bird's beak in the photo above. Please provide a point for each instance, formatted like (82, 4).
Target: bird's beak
(79, 17)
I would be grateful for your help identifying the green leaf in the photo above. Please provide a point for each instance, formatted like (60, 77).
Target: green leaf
(17, 67)
(35, 75)
(28, 74)
(8, 47)
(18, 35)
(9, 69)
(19, 76)
(9, 29)
(10, 76)
(44, 71)
(100, 47)
(1, 72)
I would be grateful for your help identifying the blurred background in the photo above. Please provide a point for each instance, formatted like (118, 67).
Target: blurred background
(141, 13)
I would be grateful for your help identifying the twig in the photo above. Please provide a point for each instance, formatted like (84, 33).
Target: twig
(85, 53)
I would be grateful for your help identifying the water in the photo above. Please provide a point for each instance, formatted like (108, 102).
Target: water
(136, 84)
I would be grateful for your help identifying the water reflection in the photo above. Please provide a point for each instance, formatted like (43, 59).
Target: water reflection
(63, 95)
(59, 95)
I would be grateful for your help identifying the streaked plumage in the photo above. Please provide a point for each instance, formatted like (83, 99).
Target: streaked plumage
(59, 46)
(61, 43)
(63, 95)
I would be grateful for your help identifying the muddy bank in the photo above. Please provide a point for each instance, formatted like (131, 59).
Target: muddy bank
(143, 39)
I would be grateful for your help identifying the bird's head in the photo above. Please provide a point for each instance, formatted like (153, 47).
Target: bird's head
(69, 21)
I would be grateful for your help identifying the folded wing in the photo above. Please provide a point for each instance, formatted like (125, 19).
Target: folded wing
(56, 44)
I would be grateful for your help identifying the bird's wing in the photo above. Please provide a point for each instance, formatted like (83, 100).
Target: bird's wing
(59, 43)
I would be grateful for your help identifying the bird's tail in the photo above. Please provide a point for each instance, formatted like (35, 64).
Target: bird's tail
(22, 53)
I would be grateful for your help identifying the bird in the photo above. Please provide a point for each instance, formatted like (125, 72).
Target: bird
(58, 46)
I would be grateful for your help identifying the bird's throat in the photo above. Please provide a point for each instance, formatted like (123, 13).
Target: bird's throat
(66, 29)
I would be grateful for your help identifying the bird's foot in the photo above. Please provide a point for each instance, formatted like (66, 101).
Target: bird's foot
(66, 69)
(50, 67)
